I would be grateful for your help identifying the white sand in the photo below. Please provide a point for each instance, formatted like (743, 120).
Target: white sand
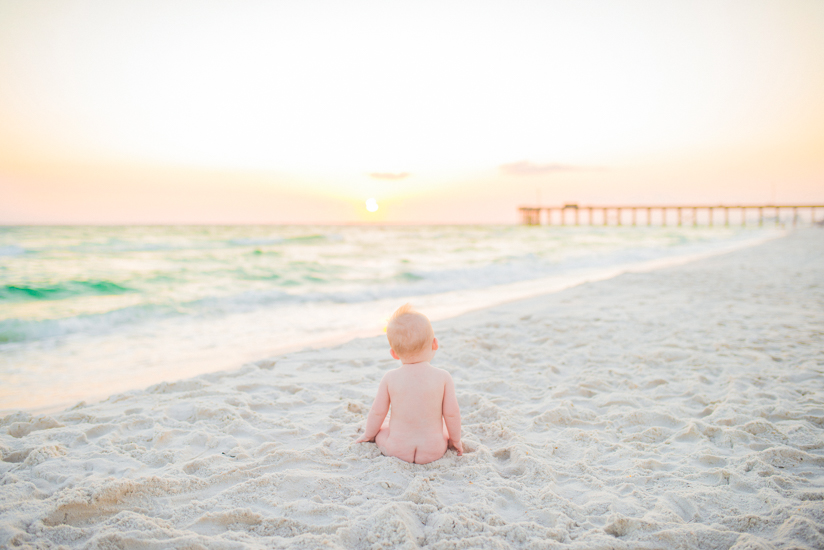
(680, 408)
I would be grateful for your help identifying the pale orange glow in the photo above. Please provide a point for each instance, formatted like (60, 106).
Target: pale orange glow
(287, 112)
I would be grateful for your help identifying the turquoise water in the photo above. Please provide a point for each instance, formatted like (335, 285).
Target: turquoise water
(85, 311)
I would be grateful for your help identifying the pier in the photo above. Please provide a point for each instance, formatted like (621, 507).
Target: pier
(573, 214)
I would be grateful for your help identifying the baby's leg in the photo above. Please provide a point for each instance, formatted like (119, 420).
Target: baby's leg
(382, 436)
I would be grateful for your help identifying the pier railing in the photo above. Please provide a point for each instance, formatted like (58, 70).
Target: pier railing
(573, 214)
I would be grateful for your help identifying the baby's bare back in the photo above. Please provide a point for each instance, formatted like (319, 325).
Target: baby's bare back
(416, 426)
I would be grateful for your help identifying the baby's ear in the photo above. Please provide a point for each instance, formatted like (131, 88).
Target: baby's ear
(434, 344)
(393, 354)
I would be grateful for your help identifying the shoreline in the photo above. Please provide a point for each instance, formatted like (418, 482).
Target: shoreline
(673, 408)
(439, 306)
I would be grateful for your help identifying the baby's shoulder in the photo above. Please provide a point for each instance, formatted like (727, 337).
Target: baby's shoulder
(442, 373)
(390, 374)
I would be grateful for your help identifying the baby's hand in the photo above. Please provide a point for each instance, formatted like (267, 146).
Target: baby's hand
(458, 446)
(364, 439)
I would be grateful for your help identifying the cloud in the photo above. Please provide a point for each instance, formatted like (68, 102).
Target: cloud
(388, 175)
(526, 168)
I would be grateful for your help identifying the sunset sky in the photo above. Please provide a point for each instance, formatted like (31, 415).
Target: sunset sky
(443, 112)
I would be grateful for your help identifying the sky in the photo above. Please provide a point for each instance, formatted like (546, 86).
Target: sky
(440, 112)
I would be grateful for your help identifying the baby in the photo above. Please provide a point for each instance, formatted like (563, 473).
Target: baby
(425, 417)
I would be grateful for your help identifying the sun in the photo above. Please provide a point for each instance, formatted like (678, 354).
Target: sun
(372, 205)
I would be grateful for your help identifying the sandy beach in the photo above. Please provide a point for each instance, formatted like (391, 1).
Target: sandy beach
(676, 408)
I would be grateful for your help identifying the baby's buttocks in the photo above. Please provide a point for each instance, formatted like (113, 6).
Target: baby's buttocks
(420, 450)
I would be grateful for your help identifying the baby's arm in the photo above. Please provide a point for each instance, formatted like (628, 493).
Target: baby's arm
(378, 412)
(452, 414)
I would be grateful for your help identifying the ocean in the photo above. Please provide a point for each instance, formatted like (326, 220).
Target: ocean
(86, 312)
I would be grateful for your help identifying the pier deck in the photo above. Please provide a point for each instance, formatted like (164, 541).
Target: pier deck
(573, 214)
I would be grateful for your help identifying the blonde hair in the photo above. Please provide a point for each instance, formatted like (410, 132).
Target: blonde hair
(409, 331)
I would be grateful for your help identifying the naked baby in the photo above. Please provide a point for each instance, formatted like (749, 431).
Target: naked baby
(425, 417)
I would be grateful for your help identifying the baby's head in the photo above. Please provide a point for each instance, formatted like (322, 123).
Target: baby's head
(411, 336)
